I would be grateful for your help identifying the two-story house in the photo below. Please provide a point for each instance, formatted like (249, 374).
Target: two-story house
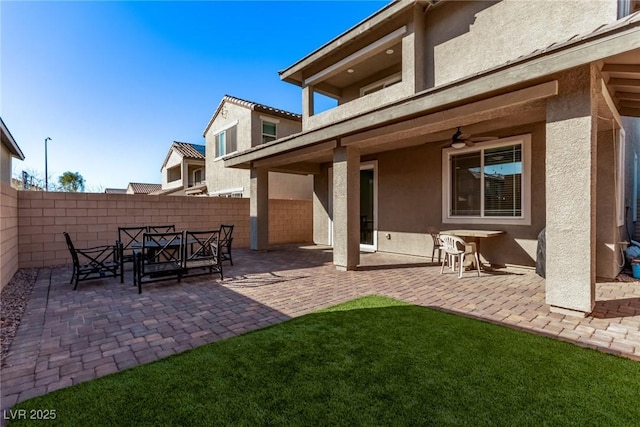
(239, 125)
(183, 170)
(498, 115)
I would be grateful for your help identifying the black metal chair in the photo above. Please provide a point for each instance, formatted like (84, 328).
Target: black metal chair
(160, 257)
(226, 238)
(202, 252)
(94, 263)
(161, 228)
(129, 236)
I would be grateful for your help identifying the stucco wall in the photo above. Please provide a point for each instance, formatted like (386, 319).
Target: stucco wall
(5, 165)
(93, 219)
(466, 37)
(220, 178)
(249, 133)
(9, 231)
(410, 200)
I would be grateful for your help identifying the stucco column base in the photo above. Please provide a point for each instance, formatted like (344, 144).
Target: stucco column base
(568, 311)
(346, 208)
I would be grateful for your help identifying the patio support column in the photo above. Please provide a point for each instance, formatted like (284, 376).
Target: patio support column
(346, 208)
(571, 194)
(307, 103)
(259, 209)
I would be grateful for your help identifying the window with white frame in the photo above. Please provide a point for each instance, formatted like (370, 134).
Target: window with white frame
(269, 133)
(225, 142)
(381, 84)
(488, 183)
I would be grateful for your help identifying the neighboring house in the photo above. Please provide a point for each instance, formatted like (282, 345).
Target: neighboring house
(10, 150)
(239, 125)
(115, 190)
(553, 86)
(140, 188)
(183, 170)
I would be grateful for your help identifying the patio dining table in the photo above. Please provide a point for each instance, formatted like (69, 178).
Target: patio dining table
(476, 236)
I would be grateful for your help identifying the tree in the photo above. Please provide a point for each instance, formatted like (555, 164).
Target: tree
(71, 182)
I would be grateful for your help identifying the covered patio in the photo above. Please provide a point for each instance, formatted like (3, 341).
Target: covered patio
(67, 337)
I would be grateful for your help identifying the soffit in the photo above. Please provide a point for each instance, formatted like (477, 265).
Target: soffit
(621, 74)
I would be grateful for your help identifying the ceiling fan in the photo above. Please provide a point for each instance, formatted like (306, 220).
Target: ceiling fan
(461, 140)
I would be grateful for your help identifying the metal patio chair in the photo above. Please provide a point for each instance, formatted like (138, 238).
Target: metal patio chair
(94, 263)
(226, 239)
(202, 252)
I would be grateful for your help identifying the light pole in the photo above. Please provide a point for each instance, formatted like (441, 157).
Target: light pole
(46, 168)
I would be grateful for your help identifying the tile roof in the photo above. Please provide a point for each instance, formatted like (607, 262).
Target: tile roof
(186, 150)
(255, 107)
(115, 190)
(140, 188)
(190, 151)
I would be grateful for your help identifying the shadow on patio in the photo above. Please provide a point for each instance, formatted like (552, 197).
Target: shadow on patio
(67, 336)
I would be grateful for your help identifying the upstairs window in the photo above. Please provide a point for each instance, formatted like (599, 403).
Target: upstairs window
(174, 174)
(198, 176)
(489, 184)
(225, 142)
(268, 131)
(381, 84)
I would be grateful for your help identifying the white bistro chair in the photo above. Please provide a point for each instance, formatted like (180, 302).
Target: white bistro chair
(456, 249)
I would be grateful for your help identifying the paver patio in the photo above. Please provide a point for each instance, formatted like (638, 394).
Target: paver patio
(67, 336)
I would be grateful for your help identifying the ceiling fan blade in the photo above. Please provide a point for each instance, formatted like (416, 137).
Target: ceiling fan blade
(464, 136)
(469, 143)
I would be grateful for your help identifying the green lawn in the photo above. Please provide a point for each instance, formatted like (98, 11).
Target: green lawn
(373, 361)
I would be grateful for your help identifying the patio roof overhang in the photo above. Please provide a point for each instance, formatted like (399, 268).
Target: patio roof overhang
(516, 88)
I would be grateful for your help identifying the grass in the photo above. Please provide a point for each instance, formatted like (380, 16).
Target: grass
(372, 361)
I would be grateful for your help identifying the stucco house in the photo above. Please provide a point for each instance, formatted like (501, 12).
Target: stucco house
(183, 170)
(552, 86)
(239, 125)
(10, 150)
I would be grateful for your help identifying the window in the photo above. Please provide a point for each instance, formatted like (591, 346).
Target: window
(268, 131)
(225, 142)
(381, 84)
(197, 176)
(174, 174)
(488, 184)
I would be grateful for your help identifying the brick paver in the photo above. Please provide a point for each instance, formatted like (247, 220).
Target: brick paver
(67, 337)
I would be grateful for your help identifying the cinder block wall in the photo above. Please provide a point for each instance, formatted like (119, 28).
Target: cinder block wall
(8, 233)
(93, 219)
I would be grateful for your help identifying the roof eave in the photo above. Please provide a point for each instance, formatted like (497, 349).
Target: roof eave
(10, 142)
(387, 12)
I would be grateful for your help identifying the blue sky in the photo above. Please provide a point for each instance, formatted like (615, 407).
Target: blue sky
(114, 83)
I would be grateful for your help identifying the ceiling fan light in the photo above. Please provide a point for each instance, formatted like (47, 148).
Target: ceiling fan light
(458, 144)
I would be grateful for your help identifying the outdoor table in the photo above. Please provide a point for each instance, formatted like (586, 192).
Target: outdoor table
(476, 235)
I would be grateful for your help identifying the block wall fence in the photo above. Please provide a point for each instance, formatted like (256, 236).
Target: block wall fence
(8, 233)
(33, 222)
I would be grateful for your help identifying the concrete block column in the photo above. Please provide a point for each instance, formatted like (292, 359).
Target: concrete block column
(346, 208)
(571, 194)
(259, 209)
